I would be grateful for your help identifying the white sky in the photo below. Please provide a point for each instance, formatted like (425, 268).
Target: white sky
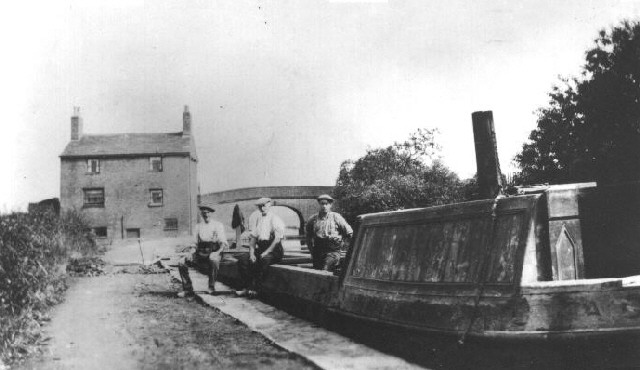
(281, 92)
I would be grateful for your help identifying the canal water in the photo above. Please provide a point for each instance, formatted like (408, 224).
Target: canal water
(445, 352)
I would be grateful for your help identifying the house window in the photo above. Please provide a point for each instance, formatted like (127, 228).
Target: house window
(101, 232)
(171, 224)
(94, 197)
(155, 164)
(156, 197)
(93, 165)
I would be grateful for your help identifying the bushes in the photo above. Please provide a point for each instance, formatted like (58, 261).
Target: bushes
(33, 246)
(400, 176)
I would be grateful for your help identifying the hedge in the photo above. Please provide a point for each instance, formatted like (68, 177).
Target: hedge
(34, 247)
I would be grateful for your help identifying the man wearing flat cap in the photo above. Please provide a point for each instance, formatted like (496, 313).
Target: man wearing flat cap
(326, 231)
(210, 241)
(265, 248)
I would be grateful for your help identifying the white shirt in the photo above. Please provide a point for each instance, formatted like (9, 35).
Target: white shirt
(264, 226)
(212, 231)
(253, 220)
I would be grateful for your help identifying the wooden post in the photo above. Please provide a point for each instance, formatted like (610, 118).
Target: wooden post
(238, 237)
(489, 175)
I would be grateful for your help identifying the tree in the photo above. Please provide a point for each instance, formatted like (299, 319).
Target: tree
(403, 175)
(591, 128)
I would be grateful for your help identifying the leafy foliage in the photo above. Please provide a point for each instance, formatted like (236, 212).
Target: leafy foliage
(403, 175)
(591, 128)
(33, 248)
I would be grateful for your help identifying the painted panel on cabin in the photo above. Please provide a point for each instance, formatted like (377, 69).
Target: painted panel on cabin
(450, 251)
(565, 251)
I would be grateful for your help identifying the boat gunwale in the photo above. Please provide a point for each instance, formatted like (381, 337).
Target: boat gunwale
(513, 335)
(478, 208)
(431, 288)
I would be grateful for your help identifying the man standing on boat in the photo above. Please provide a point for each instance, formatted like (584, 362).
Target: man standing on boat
(265, 248)
(326, 232)
(210, 241)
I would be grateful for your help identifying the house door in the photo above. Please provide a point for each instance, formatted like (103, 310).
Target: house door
(133, 233)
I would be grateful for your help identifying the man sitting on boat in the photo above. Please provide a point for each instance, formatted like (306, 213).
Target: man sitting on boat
(265, 248)
(326, 232)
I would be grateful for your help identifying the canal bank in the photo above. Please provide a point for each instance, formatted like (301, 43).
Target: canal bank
(324, 348)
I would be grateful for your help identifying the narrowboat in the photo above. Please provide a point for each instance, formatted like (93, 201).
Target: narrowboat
(554, 263)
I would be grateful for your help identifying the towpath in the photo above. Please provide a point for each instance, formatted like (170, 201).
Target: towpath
(132, 319)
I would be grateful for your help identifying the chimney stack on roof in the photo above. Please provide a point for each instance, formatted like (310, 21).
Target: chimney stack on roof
(484, 137)
(76, 124)
(186, 122)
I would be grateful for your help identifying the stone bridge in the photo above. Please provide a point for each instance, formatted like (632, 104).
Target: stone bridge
(294, 204)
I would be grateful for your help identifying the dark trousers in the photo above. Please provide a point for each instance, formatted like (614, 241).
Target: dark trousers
(325, 254)
(252, 274)
(209, 264)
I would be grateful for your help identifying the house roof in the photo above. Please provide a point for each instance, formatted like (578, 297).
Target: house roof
(130, 145)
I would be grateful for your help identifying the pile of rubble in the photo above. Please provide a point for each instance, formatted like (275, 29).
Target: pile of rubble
(135, 268)
(86, 266)
(156, 268)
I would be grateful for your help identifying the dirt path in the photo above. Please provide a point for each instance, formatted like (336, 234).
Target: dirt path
(135, 321)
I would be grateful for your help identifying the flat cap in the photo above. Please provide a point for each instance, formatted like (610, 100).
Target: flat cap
(262, 201)
(206, 207)
(326, 197)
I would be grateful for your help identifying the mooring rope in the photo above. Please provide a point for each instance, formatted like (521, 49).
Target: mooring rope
(482, 281)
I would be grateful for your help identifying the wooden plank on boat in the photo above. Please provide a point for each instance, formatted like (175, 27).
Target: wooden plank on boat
(314, 286)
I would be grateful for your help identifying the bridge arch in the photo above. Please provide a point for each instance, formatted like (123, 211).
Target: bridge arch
(300, 218)
(299, 199)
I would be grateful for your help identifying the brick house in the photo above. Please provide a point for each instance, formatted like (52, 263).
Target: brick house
(131, 185)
